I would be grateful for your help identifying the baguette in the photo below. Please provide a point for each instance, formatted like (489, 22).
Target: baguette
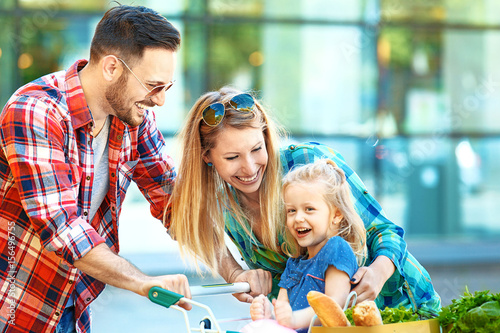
(366, 313)
(328, 311)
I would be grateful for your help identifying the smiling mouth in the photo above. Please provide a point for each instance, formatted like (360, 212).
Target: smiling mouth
(303, 231)
(145, 104)
(248, 179)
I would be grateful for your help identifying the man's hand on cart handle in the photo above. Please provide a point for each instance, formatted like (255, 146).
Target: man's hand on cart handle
(177, 283)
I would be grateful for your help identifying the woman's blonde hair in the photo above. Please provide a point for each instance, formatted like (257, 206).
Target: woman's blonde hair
(337, 194)
(201, 198)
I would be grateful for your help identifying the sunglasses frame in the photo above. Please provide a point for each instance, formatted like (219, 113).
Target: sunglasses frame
(151, 92)
(220, 109)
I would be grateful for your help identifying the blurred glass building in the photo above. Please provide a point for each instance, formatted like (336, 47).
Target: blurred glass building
(407, 91)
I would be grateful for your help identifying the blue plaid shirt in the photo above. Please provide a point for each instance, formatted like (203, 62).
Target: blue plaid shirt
(409, 286)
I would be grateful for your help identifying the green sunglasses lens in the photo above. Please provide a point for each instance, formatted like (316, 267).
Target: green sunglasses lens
(242, 102)
(213, 114)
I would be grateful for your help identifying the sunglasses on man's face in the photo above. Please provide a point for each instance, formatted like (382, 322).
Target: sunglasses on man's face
(214, 113)
(151, 92)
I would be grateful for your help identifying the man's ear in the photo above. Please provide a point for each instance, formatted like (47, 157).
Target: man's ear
(111, 68)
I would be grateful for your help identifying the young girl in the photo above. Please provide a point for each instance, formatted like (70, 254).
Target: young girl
(325, 239)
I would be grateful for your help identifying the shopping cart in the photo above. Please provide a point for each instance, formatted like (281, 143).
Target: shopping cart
(168, 298)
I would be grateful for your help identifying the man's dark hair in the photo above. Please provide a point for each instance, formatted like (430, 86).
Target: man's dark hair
(125, 31)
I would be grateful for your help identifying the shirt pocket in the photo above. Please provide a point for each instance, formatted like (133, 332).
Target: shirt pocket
(75, 174)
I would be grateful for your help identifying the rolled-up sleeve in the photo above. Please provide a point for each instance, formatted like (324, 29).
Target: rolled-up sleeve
(48, 182)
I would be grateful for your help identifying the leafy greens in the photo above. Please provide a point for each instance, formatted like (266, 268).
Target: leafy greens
(478, 312)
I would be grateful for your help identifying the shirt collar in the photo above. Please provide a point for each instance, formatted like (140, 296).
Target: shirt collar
(77, 104)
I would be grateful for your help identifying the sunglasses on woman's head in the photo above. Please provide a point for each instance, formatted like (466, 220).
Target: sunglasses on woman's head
(156, 90)
(214, 113)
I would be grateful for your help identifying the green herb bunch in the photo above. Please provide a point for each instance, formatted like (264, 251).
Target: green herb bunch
(391, 315)
(478, 312)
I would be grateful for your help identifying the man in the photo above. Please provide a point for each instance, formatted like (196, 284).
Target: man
(71, 143)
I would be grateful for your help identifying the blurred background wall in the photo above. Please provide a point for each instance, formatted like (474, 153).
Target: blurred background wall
(407, 91)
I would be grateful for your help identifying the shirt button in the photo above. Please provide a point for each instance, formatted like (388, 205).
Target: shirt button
(88, 177)
(292, 147)
(365, 192)
(85, 213)
(70, 281)
(113, 208)
(57, 313)
(112, 175)
(88, 299)
(119, 137)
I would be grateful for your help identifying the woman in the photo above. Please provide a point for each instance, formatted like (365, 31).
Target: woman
(229, 181)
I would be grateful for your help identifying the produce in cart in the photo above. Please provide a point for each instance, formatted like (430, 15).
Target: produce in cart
(478, 312)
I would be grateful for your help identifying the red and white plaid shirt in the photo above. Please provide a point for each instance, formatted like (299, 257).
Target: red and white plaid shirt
(46, 175)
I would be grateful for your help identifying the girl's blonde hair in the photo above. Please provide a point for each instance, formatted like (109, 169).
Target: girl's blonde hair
(201, 197)
(337, 194)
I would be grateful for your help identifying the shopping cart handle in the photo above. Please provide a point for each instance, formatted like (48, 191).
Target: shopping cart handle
(167, 298)
(163, 297)
(221, 288)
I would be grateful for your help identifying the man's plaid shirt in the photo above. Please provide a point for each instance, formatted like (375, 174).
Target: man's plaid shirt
(46, 176)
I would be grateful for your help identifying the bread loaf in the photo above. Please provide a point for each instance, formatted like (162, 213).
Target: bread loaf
(328, 311)
(366, 313)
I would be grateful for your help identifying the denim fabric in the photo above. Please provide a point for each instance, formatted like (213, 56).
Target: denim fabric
(67, 323)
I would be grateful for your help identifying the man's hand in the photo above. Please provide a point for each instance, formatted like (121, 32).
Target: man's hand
(104, 265)
(177, 283)
(260, 281)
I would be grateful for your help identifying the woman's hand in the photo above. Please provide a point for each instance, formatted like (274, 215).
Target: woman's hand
(260, 281)
(370, 280)
(261, 308)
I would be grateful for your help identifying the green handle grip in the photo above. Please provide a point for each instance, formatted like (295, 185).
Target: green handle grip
(163, 297)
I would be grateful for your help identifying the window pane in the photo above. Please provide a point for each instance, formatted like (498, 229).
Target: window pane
(52, 46)
(441, 187)
(51, 7)
(236, 7)
(325, 71)
(471, 82)
(8, 75)
(235, 56)
(480, 12)
(479, 174)
(430, 83)
(54, 6)
(295, 9)
(7, 4)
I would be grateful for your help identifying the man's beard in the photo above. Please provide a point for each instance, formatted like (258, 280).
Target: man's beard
(114, 95)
